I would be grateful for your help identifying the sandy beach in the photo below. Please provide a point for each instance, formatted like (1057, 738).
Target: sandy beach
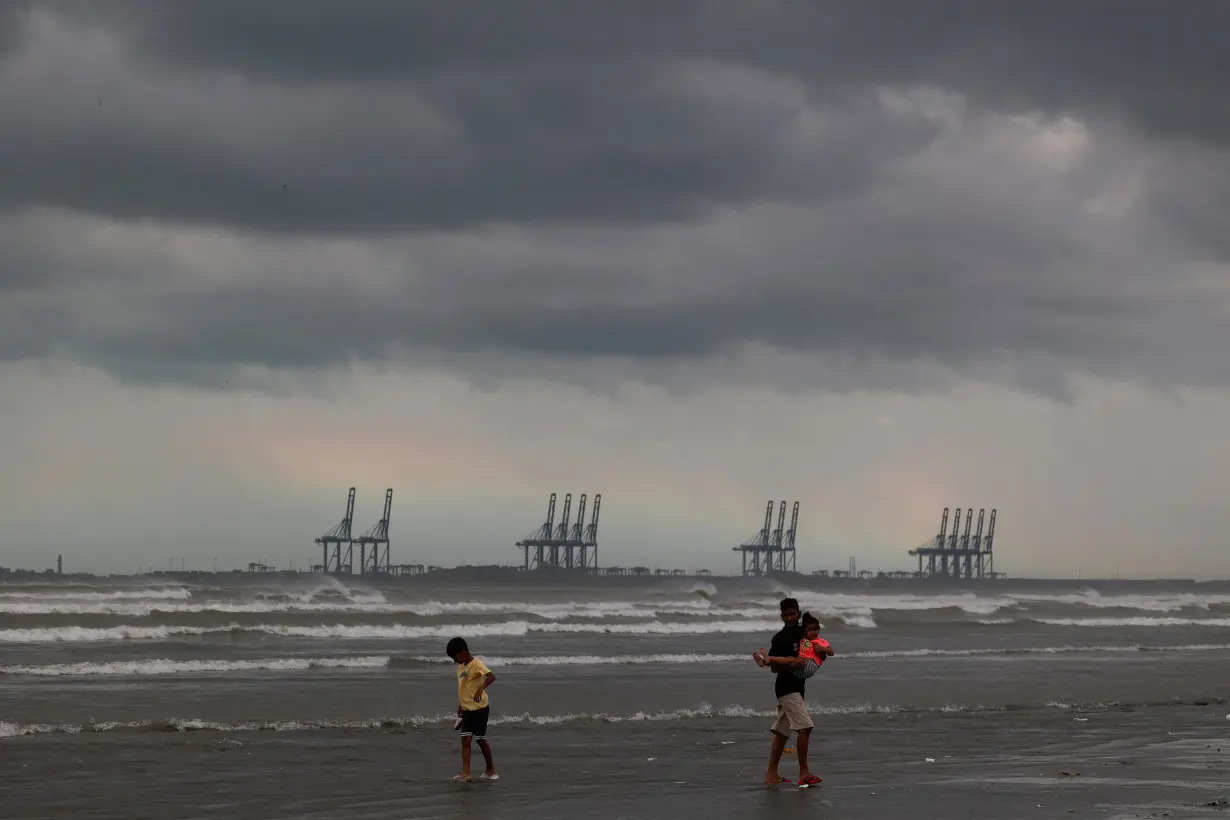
(1171, 761)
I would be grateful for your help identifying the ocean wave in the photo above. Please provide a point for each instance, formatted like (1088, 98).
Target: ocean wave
(66, 594)
(425, 609)
(166, 666)
(1136, 621)
(842, 604)
(841, 657)
(515, 628)
(250, 602)
(1161, 602)
(157, 667)
(161, 624)
(975, 652)
(443, 722)
(77, 634)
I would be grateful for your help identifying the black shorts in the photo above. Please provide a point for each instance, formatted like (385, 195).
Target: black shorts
(474, 723)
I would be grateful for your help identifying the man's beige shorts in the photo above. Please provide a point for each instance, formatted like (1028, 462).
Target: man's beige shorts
(791, 715)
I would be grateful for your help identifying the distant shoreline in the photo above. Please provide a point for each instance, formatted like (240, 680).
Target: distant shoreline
(499, 575)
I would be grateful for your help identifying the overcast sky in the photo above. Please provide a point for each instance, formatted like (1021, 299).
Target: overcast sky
(880, 257)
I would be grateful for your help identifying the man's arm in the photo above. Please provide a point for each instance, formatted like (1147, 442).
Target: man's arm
(781, 656)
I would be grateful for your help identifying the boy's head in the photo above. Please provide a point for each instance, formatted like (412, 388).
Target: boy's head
(811, 626)
(458, 650)
(790, 611)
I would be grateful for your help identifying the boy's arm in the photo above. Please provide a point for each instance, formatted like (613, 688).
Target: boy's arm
(488, 679)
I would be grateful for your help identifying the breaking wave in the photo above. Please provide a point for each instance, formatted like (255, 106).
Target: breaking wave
(328, 608)
(154, 667)
(600, 609)
(66, 595)
(444, 722)
(377, 631)
(165, 666)
(1111, 622)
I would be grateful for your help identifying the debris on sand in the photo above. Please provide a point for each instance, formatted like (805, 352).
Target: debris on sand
(1220, 803)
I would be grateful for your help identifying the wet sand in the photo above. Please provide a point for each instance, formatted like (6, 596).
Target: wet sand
(1157, 761)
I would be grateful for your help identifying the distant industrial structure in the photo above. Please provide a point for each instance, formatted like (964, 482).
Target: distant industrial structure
(771, 550)
(59, 570)
(957, 555)
(564, 546)
(570, 545)
(337, 546)
(376, 561)
(338, 563)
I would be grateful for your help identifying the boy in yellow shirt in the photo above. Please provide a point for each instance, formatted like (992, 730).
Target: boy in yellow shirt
(473, 678)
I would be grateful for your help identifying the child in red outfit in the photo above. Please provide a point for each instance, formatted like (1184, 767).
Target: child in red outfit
(812, 649)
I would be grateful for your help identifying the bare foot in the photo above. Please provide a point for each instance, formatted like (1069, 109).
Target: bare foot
(462, 778)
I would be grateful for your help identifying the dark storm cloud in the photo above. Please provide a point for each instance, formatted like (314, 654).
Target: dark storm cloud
(549, 111)
(1162, 64)
(312, 184)
(536, 138)
(442, 305)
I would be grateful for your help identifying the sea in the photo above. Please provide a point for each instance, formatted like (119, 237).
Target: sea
(317, 696)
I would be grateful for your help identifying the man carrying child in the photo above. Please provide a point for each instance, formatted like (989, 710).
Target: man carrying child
(792, 671)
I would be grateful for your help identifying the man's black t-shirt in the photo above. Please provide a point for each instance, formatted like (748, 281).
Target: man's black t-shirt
(786, 645)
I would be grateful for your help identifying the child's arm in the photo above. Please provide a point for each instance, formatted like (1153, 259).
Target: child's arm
(488, 679)
(823, 647)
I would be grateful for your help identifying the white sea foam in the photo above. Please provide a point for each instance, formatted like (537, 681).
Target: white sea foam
(1138, 621)
(68, 594)
(842, 604)
(596, 610)
(1161, 602)
(440, 722)
(703, 712)
(155, 667)
(166, 666)
(514, 628)
(377, 631)
(975, 652)
(329, 594)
